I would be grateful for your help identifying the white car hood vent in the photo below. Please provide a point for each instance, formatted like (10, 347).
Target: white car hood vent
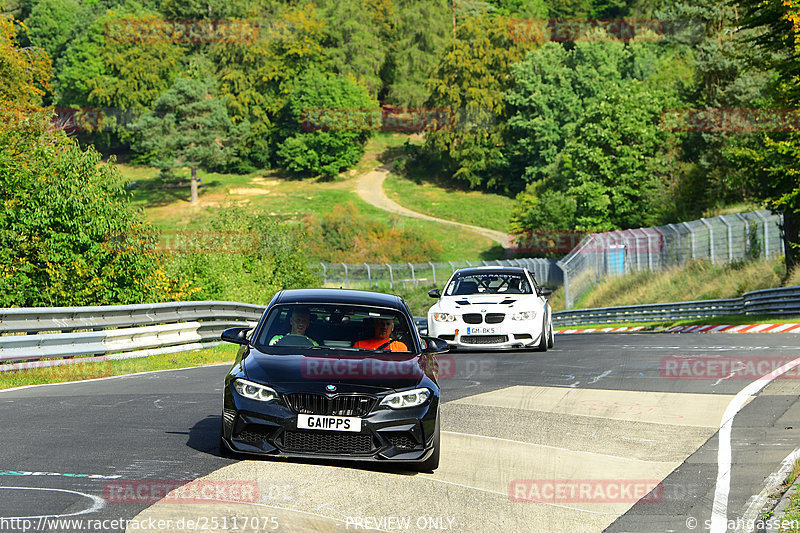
(485, 299)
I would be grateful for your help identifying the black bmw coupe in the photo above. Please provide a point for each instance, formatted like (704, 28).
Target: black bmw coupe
(334, 373)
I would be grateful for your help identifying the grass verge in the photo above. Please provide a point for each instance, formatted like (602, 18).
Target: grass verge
(475, 208)
(89, 369)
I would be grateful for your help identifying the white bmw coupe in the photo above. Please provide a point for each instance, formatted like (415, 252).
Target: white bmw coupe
(492, 307)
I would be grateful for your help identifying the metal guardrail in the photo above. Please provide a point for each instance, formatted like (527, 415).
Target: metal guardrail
(766, 302)
(35, 336)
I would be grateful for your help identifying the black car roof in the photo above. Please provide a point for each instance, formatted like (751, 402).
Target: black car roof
(339, 296)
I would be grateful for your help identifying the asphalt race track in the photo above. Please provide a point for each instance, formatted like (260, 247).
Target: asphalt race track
(604, 432)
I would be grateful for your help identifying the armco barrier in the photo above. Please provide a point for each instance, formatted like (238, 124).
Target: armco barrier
(767, 302)
(47, 335)
(50, 334)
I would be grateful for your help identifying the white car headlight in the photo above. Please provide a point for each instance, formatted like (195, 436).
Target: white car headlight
(254, 391)
(410, 398)
(524, 315)
(444, 317)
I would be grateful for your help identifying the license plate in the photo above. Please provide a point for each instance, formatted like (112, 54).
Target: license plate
(329, 423)
(480, 331)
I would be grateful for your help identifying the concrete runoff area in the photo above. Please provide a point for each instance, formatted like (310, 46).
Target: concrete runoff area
(490, 474)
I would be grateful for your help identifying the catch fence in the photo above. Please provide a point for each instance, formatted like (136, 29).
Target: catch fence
(721, 239)
(366, 275)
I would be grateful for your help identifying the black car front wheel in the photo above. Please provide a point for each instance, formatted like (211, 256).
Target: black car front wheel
(542, 346)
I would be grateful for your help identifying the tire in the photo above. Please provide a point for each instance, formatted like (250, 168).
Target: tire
(550, 339)
(432, 463)
(542, 346)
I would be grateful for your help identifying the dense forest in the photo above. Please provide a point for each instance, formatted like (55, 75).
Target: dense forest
(585, 111)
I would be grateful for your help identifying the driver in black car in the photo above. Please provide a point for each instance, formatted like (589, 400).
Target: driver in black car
(383, 328)
(299, 321)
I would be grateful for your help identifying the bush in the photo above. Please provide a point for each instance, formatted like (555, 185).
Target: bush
(60, 208)
(252, 257)
(346, 236)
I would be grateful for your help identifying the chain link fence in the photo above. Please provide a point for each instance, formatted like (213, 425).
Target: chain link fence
(366, 275)
(722, 239)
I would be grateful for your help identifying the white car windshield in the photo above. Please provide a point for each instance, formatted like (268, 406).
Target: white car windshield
(486, 283)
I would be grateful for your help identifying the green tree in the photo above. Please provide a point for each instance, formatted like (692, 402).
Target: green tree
(106, 67)
(60, 206)
(52, 24)
(585, 128)
(776, 167)
(256, 78)
(356, 40)
(188, 127)
(470, 82)
(310, 146)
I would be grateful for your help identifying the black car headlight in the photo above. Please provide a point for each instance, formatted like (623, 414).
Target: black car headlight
(409, 398)
(254, 391)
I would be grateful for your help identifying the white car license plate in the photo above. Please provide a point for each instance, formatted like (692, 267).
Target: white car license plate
(329, 423)
(480, 331)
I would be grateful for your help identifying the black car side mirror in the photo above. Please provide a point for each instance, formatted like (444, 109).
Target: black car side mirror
(434, 345)
(236, 335)
(434, 293)
(544, 291)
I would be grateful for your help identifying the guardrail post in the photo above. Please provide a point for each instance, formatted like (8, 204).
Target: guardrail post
(324, 274)
(433, 268)
(369, 275)
(452, 266)
(391, 275)
(413, 277)
(468, 263)
(766, 233)
(345, 274)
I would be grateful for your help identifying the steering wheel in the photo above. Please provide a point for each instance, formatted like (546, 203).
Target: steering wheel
(293, 339)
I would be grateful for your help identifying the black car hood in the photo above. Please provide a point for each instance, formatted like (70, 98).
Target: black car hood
(360, 371)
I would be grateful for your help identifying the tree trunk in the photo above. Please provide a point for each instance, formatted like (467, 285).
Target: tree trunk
(194, 185)
(791, 238)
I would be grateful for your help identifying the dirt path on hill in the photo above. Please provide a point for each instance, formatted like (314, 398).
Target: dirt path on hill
(369, 187)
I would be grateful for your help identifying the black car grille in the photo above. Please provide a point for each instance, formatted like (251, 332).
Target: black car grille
(327, 442)
(317, 404)
(472, 318)
(495, 318)
(484, 339)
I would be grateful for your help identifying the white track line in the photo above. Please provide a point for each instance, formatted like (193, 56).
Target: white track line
(97, 504)
(719, 510)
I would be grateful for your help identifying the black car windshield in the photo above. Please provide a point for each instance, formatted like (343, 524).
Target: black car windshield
(488, 283)
(293, 328)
